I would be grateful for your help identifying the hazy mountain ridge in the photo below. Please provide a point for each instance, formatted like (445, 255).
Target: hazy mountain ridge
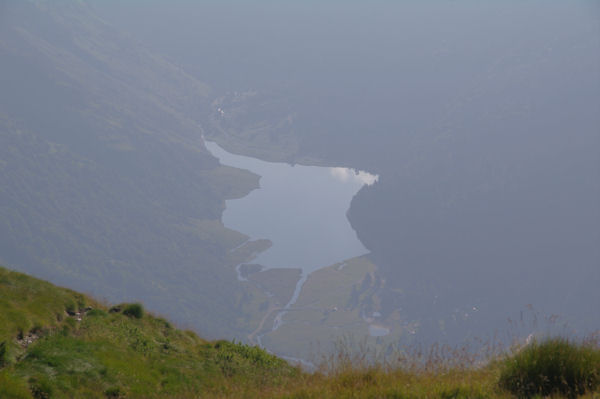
(106, 184)
(486, 151)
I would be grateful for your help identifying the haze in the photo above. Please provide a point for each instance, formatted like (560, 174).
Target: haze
(480, 119)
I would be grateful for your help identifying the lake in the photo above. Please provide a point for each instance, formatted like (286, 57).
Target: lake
(300, 209)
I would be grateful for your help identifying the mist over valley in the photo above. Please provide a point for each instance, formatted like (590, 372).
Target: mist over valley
(287, 174)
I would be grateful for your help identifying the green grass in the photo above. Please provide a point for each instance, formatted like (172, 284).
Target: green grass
(46, 352)
(129, 353)
(134, 310)
(554, 366)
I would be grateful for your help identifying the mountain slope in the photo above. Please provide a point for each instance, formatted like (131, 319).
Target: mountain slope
(57, 343)
(105, 183)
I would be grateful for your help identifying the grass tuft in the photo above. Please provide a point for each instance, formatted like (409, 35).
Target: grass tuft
(555, 366)
(135, 310)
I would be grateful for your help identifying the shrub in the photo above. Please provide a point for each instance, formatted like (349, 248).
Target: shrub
(554, 366)
(134, 310)
(70, 307)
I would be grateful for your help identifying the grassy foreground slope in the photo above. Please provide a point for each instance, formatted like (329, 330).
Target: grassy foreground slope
(57, 343)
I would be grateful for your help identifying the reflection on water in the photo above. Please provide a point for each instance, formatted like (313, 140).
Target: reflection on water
(301, 209)
(347, 174)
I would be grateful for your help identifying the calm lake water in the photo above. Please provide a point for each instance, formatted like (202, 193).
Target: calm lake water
(300, 209)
